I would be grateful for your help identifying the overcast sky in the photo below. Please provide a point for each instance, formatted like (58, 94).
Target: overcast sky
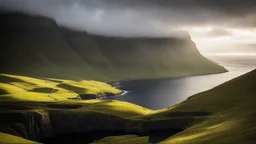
(214, 20)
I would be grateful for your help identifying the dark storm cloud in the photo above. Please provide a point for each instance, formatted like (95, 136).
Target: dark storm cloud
(141, 17)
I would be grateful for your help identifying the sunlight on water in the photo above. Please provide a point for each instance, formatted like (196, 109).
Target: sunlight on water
(236, 65)
(162, 93)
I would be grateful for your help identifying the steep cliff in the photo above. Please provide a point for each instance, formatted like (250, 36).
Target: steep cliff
(37, 46)
(37, 121)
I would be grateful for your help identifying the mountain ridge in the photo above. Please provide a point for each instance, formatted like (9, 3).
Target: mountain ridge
(38, 46)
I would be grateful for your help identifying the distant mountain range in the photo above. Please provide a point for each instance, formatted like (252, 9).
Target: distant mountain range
(38, 46)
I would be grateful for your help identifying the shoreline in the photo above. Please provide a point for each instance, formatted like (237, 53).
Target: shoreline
(164, 78)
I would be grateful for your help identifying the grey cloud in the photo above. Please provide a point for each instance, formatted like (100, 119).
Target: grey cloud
(141, 17)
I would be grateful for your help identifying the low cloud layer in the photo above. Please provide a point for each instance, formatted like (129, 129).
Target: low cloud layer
(143, 17)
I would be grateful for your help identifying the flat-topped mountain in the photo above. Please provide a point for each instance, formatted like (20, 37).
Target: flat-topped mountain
(38, 46)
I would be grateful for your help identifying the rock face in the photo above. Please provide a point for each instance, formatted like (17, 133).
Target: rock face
(37, 46)
(38, 125)
(29, 125)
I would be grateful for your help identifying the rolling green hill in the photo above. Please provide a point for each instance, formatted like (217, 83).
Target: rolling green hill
(36, 89)
(37, 46)
(224, 114)
(233, 109)
(231, 120)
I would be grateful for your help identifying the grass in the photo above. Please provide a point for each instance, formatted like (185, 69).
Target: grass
(101, 114)
(224, 114)
(233, 119)
(125, 139)
(36, 89)
(29, 96)
(9, 89)
(119, 108)
(11, 139)
(232, 115)
(26, 96)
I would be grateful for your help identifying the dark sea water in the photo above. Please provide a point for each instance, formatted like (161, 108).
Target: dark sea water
(162, 93)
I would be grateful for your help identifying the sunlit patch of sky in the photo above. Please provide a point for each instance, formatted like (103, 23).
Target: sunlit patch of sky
(231, 54)
(223, 39)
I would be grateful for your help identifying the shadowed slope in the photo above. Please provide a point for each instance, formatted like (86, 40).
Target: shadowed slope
(37, 46)
(233, 119)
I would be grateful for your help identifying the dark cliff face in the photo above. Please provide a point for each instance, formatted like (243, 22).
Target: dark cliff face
(42, 124)
(37, 46)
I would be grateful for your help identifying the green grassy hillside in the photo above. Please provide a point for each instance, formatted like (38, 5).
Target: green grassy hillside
(11, 139)
(231, 121)
(225, 114)
(37, 46)
(36, 89)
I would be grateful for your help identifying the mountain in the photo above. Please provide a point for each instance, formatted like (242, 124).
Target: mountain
(37, 46)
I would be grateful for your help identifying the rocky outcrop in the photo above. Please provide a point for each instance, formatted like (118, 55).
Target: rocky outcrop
(37, 125)
(29, 125)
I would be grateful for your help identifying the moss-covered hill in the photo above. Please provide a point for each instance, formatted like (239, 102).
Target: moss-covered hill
(47, 89)
(37, 46)
(225, 114)
(233, 109)
(232, 116)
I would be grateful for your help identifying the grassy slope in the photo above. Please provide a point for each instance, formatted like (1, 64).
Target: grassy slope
(37, 46)
(36, 89)
(11, 139)
(232, 121)
(233, 108)
(23, 96)
(125, 139)
(53, 116)
(231, 105)
(96, 113)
